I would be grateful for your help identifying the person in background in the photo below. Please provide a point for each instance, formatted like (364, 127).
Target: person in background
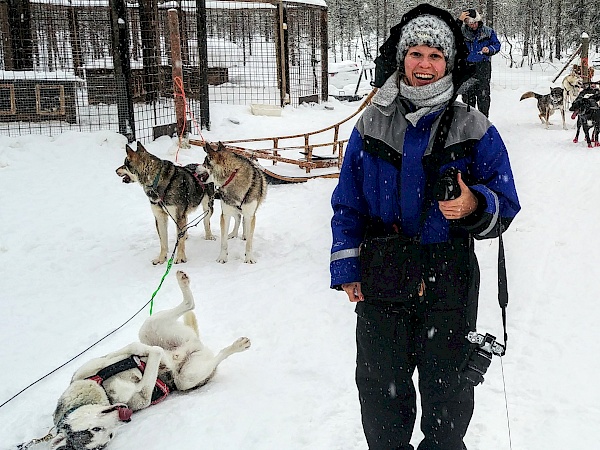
(405, 257)
(482, 43)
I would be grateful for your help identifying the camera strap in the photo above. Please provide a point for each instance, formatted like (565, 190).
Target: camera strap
(502, 282)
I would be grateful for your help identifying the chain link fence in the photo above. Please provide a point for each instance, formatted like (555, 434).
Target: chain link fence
(107, 65)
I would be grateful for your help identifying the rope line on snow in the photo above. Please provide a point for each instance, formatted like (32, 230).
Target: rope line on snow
(150, 302)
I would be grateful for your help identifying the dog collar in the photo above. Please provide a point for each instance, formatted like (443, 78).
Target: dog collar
(230, 179)
(157, 177)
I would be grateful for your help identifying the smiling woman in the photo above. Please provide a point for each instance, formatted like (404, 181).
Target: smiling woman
(404, 255)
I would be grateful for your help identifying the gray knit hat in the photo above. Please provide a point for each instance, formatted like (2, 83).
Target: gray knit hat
(427, 30)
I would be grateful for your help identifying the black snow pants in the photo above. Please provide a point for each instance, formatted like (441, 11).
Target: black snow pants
(478, 94)
(394, 338)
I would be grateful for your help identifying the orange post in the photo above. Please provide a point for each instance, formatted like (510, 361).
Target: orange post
(178, 86)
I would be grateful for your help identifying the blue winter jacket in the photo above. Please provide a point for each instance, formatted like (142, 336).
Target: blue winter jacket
(369, 186)
(483, 36)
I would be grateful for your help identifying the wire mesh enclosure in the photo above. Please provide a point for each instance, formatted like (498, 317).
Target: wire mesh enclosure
(108, 65)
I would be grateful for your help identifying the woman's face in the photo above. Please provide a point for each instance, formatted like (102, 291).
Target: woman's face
(424, 65)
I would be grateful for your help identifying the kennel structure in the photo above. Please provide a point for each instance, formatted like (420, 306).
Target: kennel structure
(107, 64)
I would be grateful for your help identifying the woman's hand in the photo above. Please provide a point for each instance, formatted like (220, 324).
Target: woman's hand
(462, 206)
(353, 291)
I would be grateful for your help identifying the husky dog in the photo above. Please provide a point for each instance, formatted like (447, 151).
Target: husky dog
(173, 191)
(585, 108)
(105, 391)
(242, 187)
(571, 84)
(549, 103)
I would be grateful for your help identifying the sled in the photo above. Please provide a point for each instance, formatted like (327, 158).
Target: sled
(270, 152)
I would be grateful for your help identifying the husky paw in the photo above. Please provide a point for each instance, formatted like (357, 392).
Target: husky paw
(222, 258)
(250, 260)
(182, 277)
(210, 237)
(180, 260)
(160, 260)
(242, 344)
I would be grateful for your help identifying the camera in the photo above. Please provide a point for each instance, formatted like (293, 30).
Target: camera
(480, 357)
(447, 187)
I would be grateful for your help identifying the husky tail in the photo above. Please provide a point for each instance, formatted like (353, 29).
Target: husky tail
(529, 94)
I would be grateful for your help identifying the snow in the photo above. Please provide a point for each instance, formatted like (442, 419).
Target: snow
(75, 251)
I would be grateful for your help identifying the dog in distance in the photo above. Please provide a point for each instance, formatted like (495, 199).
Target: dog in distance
(549, 103)
(572, 85)
(586, 110)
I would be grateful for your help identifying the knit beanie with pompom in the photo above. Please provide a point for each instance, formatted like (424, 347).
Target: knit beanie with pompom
(427, 30)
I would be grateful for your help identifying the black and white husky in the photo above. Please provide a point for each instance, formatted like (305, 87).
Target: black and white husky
(105, 391)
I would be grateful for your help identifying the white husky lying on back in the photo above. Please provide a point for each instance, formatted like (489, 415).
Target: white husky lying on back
(106, 390)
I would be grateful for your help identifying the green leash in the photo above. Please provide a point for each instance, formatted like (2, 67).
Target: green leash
(169, 264)
(193, 223)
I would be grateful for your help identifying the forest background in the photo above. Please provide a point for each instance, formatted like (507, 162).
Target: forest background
(537, 30)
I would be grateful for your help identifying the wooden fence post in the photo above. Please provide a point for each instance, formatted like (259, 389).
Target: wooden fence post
(122, 67)
(203, 64)
(324, 56)
(178, 86)
(281, 33)
(585, 44)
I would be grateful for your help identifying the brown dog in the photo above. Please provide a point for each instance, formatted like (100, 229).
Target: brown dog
(549, 103)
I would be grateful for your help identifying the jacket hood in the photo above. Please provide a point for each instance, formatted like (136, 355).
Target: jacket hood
(386, 63)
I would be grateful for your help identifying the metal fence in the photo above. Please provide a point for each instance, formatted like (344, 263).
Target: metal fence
(107, 65)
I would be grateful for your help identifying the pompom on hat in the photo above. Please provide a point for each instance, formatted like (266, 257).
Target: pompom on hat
(427, 30)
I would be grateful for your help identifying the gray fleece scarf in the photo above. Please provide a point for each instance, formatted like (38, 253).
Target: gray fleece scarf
(429, 98)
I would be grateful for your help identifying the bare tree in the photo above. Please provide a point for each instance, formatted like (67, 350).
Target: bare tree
(558, 28)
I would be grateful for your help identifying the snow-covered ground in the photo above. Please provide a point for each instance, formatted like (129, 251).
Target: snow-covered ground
(75, 251)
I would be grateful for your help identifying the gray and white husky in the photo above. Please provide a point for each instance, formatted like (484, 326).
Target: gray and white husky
(105, 391)
(241, 186)
(172, 190)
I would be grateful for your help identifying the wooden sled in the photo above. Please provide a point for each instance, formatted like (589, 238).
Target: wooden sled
(285, 169)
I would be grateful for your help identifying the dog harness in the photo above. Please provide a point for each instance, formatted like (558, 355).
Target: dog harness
(201, 179)
(161, 390)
